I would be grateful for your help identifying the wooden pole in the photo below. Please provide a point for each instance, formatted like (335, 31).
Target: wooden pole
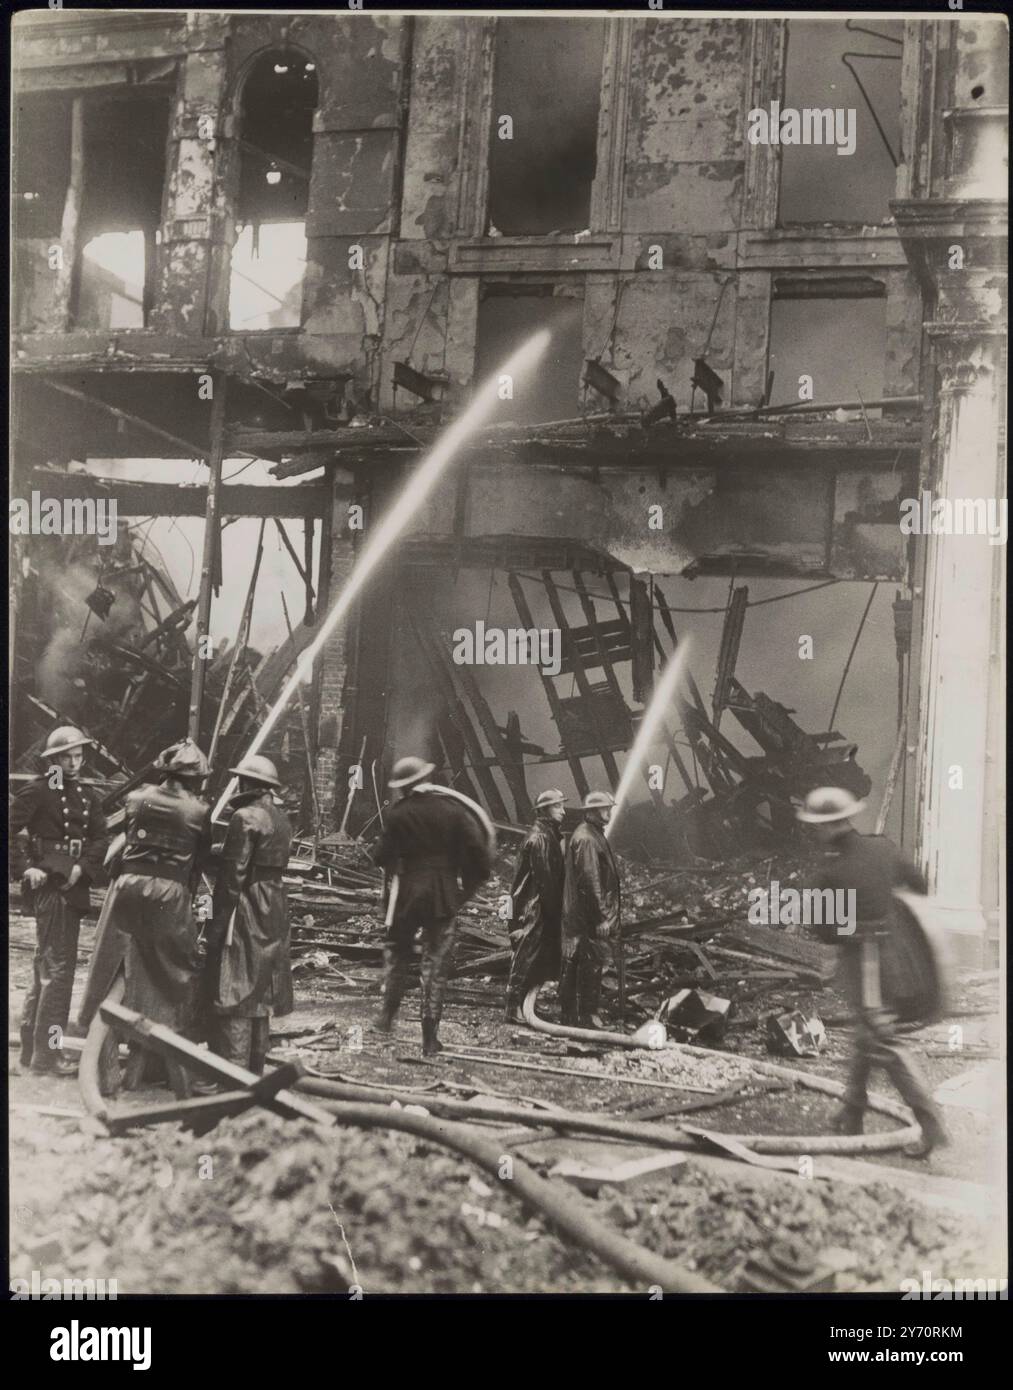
(242, 638)
(70, 223)
(211, 542)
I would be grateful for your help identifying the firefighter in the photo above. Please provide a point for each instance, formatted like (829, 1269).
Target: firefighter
(537, 901)
(437, 847)
(249, 974)
(591, 903)
(58, 835)
(147, 926)
(872, 866)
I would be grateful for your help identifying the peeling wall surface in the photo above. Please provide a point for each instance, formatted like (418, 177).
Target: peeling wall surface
(676, 263)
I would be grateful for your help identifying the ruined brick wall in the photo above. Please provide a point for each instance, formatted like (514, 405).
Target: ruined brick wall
(333, 682)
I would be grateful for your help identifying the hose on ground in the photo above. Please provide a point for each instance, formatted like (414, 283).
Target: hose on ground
(567, 1214)
(761, 1143)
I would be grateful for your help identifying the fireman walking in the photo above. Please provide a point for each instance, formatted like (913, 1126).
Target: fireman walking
(872, 867)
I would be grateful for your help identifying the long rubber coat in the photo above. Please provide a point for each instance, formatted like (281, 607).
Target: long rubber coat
(253, 971)
(147, 925)
(537, 893)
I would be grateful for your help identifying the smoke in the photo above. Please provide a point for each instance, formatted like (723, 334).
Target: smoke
(58, 668)
(61, 670)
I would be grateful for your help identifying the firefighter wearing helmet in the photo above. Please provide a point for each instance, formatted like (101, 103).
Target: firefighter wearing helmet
(148, 928)
(590, 912)
(57, 834)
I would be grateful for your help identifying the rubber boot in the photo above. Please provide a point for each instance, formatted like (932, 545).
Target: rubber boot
(384, 1020)
(58, 1065)
(513, 1012)
(934, 1135)
(27, 1047)
(850, 1120)
(431, 1044)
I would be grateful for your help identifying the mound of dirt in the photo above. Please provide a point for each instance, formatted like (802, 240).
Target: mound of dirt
(262, 1205)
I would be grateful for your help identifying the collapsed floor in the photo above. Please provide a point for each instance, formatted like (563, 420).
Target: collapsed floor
(270, 1213)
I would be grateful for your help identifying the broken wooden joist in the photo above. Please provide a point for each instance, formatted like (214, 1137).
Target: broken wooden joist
(158, 1038)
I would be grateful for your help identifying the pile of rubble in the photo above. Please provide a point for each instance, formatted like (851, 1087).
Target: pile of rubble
(281, 1207)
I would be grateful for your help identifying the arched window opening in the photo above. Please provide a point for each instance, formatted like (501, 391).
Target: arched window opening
(276, 154)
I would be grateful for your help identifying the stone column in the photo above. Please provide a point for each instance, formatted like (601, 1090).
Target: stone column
(960, 672)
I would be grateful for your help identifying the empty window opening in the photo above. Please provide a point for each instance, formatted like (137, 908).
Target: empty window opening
(544, 125)
(833, 68)
(806, 337)
(276, 154)
(507, 316)
(122, 186)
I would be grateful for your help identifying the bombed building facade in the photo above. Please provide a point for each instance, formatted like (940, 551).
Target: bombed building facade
(304, 240)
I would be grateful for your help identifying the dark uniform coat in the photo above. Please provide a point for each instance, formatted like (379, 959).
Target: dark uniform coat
(252, 975)
(537, 893)
(590, 921)
(873, 866)
(440, 852)
(591, 889)
(147, 922)
(54, 828)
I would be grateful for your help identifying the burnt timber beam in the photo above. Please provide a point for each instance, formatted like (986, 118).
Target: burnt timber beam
(459, 716)
(551, 694)
(181, 499)
(673, 750)
(583, 684)
(169, 1044)
(189, 449)
(212, 542)
(728, 655)
(511, 769)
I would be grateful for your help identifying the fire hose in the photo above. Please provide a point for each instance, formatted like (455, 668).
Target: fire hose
(564, 1212)
(760, 1143)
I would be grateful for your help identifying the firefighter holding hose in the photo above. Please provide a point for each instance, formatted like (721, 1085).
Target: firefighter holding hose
(248, 973)
(537, 899)
(591, 907)
(873, 868)
(437, 846)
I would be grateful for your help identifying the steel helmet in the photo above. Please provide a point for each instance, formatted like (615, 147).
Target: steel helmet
(257, 768)
(826, 804)
(407, 771)
(549, 798)
(183, 758)
(63, 739)
(596, 801)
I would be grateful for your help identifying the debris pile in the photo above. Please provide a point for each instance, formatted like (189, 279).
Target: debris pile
(280, 1207)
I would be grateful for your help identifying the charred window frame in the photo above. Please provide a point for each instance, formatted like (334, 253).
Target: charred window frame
(604, 215)
(767, 83)
(544, 119)
(849, 65)
(126, 139)
(810, 317)
(272, 128)
(90, 182)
